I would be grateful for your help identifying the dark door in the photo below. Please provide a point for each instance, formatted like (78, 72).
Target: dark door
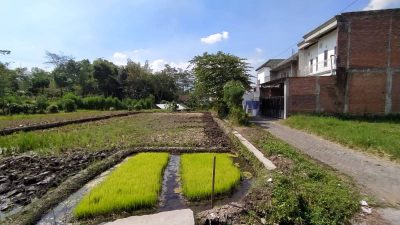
(272, 106)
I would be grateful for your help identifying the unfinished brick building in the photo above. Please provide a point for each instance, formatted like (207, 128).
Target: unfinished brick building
(349, 64)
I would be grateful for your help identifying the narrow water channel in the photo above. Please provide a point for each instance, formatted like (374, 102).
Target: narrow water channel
(170, 198)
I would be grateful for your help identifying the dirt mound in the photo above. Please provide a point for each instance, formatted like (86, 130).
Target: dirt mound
(215, 136)
(26, 177)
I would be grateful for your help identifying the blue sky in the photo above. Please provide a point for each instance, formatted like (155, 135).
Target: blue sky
(162, 31)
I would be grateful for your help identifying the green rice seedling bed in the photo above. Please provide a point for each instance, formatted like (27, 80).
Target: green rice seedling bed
(134, 185)
(196, 174)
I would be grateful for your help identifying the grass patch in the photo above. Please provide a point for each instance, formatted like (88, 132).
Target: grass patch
(302, 191)
(144, 129)
(376, 136)
(196, 173)
(26, 120)
(135, 184)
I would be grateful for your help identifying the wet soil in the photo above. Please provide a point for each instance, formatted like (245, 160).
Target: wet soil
(171, 198)
(216, 137)
(28, 177)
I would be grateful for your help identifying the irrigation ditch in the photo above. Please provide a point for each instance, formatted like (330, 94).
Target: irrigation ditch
(56, 203)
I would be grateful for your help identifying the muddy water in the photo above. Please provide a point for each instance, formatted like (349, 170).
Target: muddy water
(170, 198)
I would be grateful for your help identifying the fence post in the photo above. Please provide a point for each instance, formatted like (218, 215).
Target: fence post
(213, 182)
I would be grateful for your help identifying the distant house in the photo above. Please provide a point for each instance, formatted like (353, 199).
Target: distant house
(349, 64)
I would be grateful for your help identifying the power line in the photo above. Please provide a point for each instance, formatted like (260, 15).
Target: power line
(295, 44)
(348, 6)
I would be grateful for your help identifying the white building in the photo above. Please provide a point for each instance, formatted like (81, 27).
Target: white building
(263, 72)
(317, 51)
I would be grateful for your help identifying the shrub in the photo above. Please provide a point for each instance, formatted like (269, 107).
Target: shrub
(42, 103)
(53, 108)
(69, 105)
(233, 94)
(238, 116)
(77, 100)
(221, 108)
(172, 106)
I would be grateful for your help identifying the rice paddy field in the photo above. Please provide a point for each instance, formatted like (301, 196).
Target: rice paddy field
(143, 129)
(135, 184)
(34, 119)
(196, 175)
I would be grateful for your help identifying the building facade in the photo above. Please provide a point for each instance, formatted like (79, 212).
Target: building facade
(349, 64)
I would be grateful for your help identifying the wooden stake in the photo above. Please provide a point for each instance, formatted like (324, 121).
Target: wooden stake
(213, 182)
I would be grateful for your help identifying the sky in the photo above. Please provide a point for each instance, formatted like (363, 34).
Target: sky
(162, 31)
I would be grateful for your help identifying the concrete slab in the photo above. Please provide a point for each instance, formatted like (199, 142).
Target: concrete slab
(176, 217)
(266, 162)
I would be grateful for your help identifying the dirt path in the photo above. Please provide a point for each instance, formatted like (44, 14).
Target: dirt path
(377, 177)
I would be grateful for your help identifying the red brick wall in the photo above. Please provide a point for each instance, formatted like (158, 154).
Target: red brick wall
(328, 94)
(367, 93)
(368, 42)
(396, 92)
(303, 94)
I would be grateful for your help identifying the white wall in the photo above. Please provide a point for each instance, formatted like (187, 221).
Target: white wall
(263, 75)
(327, 42)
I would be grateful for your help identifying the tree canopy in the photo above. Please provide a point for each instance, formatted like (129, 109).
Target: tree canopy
(213, 71)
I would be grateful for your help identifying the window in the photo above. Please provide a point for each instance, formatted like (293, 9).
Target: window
(316, 64)
(325, 58)
(311, 65)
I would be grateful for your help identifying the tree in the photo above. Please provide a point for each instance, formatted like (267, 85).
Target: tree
(85, 80)
(40, 80)
(213, 71)
(106, 74)
(66, 75)
(136, 80)
(57, 59)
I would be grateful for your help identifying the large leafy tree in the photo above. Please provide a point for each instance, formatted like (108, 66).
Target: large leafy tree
(106, 74)
(213, 71)
(40, 80)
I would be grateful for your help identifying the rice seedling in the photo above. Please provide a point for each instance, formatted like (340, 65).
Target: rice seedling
(196, 173)
(135, 184)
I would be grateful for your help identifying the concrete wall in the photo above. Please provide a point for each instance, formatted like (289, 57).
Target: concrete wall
(326, 43)
(263, 75)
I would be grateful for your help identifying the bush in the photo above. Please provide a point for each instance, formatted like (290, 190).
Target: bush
(53, 108)
(221, 108)
(238, 116)
(42, 104)
(172, 106)
(69, 105)
(77, 100)
(233, 94)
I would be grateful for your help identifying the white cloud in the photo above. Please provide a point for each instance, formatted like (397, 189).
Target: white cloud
(259, 50)
(120, 58)
(159, 64)
(214, 38)
(380, 4)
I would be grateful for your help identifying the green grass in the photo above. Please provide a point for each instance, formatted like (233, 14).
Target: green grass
(196, 174)
(302, 191)
(144, 129)
(135, 184)
(375, 136)
(22, 119)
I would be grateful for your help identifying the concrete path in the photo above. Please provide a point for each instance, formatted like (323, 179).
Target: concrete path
(377, 177)
(266, 162)
(176, 217)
